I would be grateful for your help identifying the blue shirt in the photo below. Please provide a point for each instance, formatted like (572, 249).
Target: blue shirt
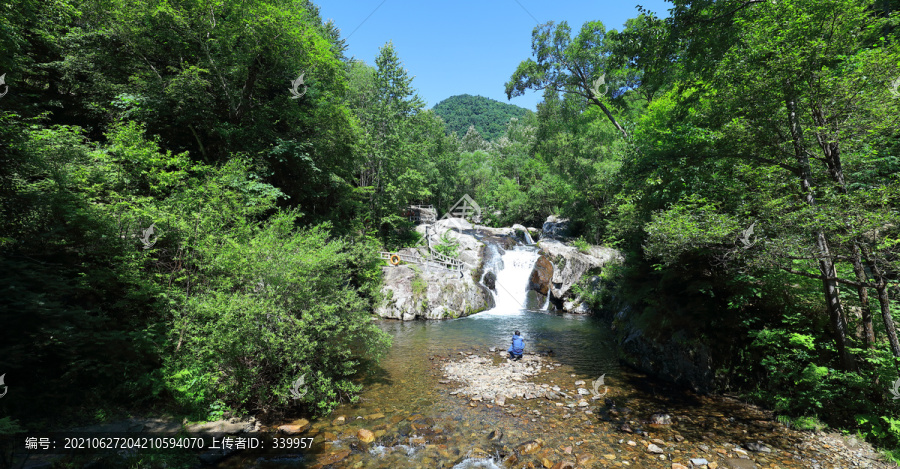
(518, 344)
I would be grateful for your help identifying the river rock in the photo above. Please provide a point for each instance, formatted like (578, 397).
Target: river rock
(539, 280)
(757, 447)
(331, 458)
(529, 447)
(570, 265)
(652, 448)
(737, 463)
(365, 436)
(223, 426)
(661, 419)
(555, 227)
(296, 427)
(419, 292)
(490, 280)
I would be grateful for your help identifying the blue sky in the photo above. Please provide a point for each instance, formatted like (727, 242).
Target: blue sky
(465, 46)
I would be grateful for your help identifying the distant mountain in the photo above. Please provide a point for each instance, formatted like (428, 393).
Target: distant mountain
(489, 116)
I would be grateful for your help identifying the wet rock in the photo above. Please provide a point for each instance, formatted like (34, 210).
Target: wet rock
(737, 463)
(661, 419)
(570, 265)
(490, 281)
(529, 447)
(495, 435)
(375, 416)
(539, 280)
(652, 448)
(365, 436)
(699, 461)
(757, 447)
(676, 465)
(555, 227)
(564, 465)
(339, 421)
(626, 428)
(295, 427)
(331, 458)
(579, 383)
(230, 426)
(479, 453)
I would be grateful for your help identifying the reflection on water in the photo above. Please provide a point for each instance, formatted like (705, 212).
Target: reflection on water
(583, 342)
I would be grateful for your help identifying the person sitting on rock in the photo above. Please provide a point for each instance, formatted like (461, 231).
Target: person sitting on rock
(517, 347)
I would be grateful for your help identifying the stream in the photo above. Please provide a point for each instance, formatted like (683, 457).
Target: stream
(416, 421)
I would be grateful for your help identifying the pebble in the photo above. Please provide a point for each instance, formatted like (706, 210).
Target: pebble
(651, 448)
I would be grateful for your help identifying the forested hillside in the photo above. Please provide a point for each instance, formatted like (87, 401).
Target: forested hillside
(488, 116)
(743, 155)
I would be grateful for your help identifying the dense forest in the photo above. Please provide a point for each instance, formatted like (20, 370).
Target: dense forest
(488, 117)
(179, 231)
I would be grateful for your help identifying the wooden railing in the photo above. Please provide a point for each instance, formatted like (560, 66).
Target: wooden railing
(435, 259)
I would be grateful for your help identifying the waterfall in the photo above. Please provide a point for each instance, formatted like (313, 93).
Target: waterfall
(511, 286)
(528, 240)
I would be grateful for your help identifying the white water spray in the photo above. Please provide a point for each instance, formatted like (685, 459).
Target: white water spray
(512, 282)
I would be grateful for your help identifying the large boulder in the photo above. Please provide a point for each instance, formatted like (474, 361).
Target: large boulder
(541, 275)
(459, 231)
(414, 291)
(421, 214)
(420, 292)
(570, 264)
(555, 227)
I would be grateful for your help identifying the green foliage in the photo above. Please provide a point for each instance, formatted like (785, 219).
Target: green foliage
(582, 245)
(448, 245)
(884, 429)
(419, 285)
(487, 116)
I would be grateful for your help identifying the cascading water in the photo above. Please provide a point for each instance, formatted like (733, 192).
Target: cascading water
(528, 240)
(512, 270)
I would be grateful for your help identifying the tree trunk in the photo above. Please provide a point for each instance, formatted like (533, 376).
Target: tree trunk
(885, 301)
(609, 115)
(832, 152)
(826, 265)
(868, 330)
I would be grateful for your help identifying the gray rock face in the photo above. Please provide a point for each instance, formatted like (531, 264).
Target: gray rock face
(423, 292)
(416, 292)
(555, 227)
(673, 360)
(570, 265)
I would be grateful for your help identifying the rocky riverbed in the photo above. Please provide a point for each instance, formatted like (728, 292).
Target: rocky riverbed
(493, 419)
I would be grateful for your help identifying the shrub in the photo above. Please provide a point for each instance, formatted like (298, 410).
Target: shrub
(277, 305)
